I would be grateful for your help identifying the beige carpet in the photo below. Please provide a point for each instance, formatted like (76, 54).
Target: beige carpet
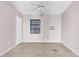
(40, 50)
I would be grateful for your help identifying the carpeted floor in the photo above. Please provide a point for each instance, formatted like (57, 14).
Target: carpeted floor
(40, 50)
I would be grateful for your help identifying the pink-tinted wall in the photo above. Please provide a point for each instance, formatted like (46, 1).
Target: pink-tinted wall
(7, 26)
(70, 27)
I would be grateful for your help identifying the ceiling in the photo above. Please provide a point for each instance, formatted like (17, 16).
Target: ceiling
(52, 7)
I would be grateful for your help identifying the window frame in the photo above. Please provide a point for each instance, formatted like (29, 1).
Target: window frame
(34, 25)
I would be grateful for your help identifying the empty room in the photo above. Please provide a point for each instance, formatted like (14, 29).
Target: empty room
(39, 28)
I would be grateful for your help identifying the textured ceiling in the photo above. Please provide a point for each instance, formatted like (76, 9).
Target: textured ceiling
(52, 7)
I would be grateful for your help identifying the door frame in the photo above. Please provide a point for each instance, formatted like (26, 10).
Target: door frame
(18, 30)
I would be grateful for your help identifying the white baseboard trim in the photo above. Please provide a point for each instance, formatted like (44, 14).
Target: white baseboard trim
(8, 50)
(43, 41)
(71, 49)
(18, 43)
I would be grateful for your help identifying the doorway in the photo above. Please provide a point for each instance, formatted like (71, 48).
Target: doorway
(18, 30)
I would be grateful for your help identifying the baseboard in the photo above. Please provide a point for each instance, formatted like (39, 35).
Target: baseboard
(71, 49)
(43, 41)
(18, 43)
(8, 50)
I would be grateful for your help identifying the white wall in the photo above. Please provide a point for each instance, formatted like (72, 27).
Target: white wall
(46, 35)
(70, 27)
(7, 26)
(52, 35)
(27, 37)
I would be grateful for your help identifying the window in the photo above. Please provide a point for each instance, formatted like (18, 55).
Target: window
(34, 26)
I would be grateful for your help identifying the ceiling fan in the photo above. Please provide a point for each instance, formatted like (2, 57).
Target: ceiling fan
(41, 7)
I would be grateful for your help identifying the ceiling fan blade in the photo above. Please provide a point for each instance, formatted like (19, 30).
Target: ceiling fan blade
(34, 4)
(35, 9)
(43, 9)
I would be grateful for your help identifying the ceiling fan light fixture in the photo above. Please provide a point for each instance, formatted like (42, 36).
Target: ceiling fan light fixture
(41, 7)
